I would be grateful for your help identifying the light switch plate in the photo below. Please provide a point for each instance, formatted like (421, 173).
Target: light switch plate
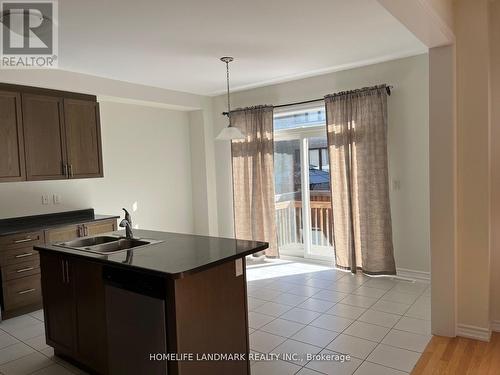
(238, 264)
(396, 185)
(45, 199)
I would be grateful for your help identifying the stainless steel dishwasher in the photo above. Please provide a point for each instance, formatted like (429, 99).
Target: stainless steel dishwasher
(136, 325)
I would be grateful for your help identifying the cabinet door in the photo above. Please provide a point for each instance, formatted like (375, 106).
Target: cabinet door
(12, 165)
(67, 233)
(91, 229)
(45, 141)
(83, 138)
(58, 302)
(91, 347)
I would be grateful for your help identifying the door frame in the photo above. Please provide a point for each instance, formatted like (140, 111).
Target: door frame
(303, 135)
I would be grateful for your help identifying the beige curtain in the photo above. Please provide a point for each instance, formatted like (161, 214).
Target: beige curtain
(253, 176)
(357, 143)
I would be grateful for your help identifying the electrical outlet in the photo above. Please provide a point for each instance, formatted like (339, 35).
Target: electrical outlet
(56, 199)
(45, 199)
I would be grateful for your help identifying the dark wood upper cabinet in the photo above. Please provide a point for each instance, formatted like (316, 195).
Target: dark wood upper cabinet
(12, 166)
(45, 140)
(83, 138)
(48, 134)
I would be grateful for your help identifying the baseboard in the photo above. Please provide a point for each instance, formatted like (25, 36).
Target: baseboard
(495, 325)
(473, 332)
(413, 274)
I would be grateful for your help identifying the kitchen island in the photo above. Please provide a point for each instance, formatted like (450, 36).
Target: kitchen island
(126, 311)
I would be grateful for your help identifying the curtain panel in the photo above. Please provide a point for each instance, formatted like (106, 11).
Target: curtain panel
(357, 144)
(253, 176)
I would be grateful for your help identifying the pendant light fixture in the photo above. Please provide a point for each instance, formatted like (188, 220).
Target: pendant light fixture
(230, 132)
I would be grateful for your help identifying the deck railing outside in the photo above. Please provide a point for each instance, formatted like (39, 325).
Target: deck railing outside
(289, 220)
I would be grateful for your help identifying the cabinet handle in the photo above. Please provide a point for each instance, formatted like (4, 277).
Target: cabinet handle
(67, 272)
(24, 255)
(25, 269)
(26, 291)
(86, 230)
(28, 239)
(65, 169)
(63, 272)
(71, 170)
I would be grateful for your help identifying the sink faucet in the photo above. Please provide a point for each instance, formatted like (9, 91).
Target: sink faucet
(127, 224)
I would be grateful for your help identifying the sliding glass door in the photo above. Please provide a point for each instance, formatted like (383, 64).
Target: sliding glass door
(302, 176)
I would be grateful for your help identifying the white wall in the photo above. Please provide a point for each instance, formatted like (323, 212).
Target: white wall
(443, 188)
(408, 145)
(147, 159)
(203, 171)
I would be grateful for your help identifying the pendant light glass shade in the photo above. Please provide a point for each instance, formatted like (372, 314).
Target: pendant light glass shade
(229, 133)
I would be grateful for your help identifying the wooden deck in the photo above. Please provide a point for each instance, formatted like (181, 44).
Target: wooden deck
(445, 355)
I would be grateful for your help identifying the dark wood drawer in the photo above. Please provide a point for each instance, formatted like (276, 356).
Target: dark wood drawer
(22, 292)
(18, 255)
(21, 240)
(18, 270)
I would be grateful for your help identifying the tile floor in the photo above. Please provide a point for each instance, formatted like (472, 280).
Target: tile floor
(293, 308)
(23, 349)
(382, 323)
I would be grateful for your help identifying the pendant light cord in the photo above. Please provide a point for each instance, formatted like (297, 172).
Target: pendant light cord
(228, 96)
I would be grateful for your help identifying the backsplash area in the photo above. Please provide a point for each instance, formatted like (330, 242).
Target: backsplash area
(27, 198)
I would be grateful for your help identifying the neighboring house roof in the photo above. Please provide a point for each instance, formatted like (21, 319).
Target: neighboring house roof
(317, 176)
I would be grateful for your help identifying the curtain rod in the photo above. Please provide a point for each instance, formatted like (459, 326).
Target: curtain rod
(388, 89)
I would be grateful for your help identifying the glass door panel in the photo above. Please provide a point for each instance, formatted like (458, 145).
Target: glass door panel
(321, 226)
(288, 197)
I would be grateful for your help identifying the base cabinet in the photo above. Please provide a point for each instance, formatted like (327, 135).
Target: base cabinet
(20, 265)
(58, 293)
(74, 311)
(91, 336)
(20, 269)
(114, 318)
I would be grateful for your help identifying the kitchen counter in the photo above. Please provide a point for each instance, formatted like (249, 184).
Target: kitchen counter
(40, 222)
(185, 296)
(176, 256)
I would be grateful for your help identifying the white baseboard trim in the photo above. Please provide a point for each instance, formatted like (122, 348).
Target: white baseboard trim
(495, 325)
(473, 332)
(413, 274)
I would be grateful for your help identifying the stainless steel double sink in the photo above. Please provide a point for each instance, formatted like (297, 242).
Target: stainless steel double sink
(107, 244)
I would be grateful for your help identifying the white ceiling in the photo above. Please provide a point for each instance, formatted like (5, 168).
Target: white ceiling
(176, 44)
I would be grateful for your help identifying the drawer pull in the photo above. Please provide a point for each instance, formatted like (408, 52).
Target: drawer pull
(25, 269)
(26, 291)
(25, 240)
(24, 255)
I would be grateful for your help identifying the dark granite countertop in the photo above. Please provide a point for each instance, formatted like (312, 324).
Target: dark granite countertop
(39, 222)
(176, 256)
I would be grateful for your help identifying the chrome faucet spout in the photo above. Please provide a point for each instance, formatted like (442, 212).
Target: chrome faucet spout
(127, 224)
